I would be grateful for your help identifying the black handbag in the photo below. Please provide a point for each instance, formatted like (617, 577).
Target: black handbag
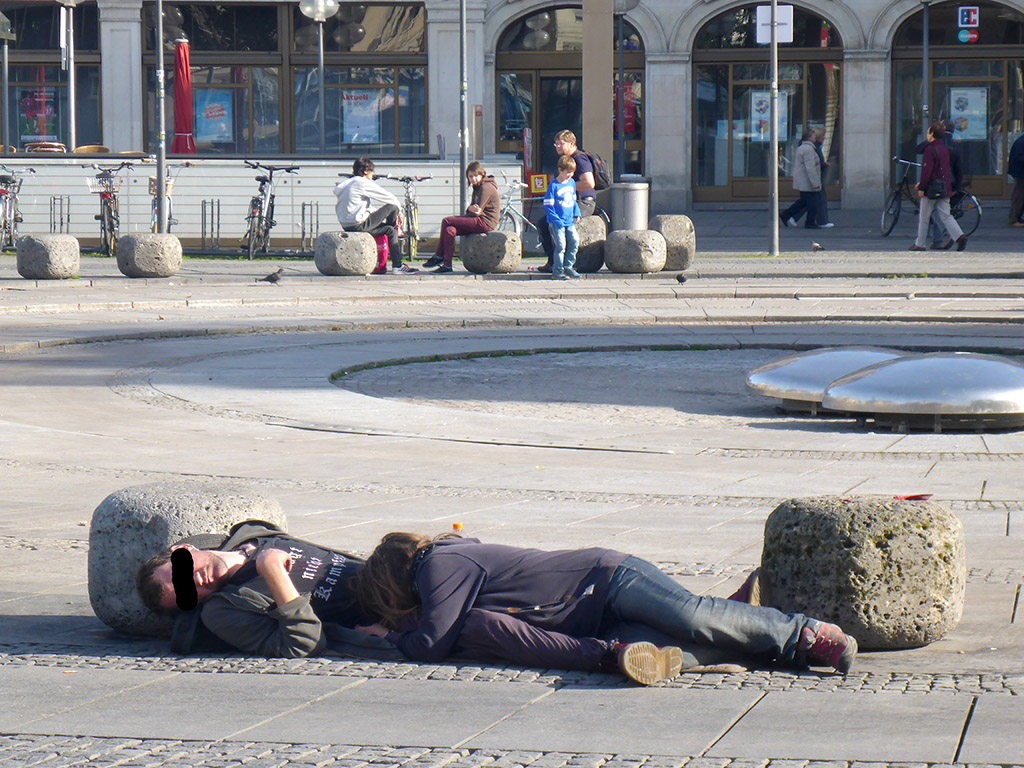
(935, 190)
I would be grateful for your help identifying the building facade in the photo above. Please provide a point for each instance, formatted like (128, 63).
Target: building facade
(696, 84)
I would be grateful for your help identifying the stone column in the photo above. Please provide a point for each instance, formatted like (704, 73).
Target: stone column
(121, 82)
(598, 76)
(668, 100)
(866, 118)
(443, 74)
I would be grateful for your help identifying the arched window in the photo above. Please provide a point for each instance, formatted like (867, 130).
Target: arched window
(732, 96)
(539, 62)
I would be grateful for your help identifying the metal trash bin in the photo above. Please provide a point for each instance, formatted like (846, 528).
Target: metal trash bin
(630, 199)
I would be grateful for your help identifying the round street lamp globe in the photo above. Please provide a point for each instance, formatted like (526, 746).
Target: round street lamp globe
(318, 10)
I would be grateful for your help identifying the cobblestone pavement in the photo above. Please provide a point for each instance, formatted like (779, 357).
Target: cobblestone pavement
(67, 751)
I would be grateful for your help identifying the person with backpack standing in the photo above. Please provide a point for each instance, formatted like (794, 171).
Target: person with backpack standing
(585, 177)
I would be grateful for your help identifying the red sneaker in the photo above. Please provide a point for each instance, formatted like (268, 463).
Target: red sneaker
(827, 646)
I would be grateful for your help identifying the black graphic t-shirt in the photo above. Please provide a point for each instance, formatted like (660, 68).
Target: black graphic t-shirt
(321, 573)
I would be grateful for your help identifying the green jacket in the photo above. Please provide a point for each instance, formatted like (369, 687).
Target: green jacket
(244, 616)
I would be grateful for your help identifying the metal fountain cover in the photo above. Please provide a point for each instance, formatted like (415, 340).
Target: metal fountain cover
(937, 383)
(806, 376)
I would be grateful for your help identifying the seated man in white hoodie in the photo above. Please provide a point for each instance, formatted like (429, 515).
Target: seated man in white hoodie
(365, 206)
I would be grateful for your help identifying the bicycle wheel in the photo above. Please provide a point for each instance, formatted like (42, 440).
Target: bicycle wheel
(412, 232)
(891, 212)
(255, 232)
(107, 236)
(530, 236)
(967, 213)
(509, 223)
(6, 224)
(13, 218)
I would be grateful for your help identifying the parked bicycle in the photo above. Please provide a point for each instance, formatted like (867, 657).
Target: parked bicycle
(261, 207)
(411, 213)
(168, 190)
(107, 183)
(511, 219)
(965, 207)
(10, 217)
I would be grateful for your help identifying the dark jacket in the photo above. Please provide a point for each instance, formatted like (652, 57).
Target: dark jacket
(935, 165)
(486, 195)
(1015, 162)
(955, 165)
(243, 615)
(563, 591)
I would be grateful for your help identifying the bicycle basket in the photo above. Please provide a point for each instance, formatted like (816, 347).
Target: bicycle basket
(96, 186)
(168, 186)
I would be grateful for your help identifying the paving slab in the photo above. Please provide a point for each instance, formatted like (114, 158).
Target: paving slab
(995, 734)
(842, 726)
(652, 721)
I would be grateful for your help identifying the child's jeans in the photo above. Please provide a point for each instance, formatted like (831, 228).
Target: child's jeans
(565, 242)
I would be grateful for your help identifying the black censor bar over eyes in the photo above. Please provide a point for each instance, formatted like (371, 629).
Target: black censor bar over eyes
(185, 594)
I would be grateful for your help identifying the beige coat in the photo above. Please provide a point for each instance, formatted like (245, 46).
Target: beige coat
(806, 168)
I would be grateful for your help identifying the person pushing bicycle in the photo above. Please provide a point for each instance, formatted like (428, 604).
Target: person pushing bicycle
(365, 206)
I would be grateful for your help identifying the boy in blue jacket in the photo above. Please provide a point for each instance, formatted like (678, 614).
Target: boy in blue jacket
(562, 214)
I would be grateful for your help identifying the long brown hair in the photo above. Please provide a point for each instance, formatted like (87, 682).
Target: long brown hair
(383, 587)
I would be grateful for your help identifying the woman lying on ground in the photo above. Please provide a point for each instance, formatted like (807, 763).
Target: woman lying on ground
(423, 591)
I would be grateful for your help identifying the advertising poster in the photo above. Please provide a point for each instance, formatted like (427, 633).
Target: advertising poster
(213, 115)
(360, 113)
(761, 116)
(968, 109)
(37, 114)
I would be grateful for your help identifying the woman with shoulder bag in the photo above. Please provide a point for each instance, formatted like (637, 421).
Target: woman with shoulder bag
(935, 189)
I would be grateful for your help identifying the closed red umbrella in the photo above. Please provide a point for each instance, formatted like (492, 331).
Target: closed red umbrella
(183, 142)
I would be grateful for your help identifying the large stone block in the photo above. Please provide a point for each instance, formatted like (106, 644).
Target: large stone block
(592, 232)
(491, 252)
(135, 523)
(147, 254)
(47, 257)
(632, 251)
(680, 240)
(890, 572)
(345, 253)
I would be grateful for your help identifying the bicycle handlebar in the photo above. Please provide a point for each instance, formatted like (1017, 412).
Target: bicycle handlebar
(18, 172)
(407, 179)
(111, 170)
(272, 168)
(898, 159)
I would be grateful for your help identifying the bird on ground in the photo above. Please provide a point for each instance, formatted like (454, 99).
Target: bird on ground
(815, 247)
(274, 277)
(681, 278)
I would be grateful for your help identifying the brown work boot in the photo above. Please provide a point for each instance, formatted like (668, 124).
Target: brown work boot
(647, 664)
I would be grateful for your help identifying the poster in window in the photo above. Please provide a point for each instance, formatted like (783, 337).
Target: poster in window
(37, 114)
(761, 116)
(361, 109)
(214, 115)
(968, 109)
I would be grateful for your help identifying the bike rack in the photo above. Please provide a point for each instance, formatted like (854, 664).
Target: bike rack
(60, 214)
(310, 235)
(210, 235)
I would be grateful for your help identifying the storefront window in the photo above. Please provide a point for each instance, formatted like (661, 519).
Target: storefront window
(370, 110)
(217, 27)
(738, 29)
(36, 27)
(235, 109)
(365, 29)
(732, 100)
(998, 25)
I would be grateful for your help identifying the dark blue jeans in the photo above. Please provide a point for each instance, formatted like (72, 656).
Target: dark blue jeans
(642, 597)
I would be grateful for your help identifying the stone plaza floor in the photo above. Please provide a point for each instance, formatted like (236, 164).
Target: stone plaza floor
(609, 411)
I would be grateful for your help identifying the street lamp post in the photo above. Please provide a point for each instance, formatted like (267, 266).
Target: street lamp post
(68, 59)
(463, 102)
(319, 11)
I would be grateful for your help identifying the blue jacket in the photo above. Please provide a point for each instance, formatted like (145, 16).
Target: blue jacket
(560, 203)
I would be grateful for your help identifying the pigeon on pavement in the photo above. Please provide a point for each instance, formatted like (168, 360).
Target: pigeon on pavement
(815, 247)
(274, 277)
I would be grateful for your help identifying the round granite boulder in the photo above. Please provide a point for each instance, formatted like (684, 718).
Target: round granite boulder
(592, 233)
(680, 240)
(345, 253)
(147, 254)
(634, 251)
(491, 252)
(135, 523)
(890, 572)
(47, 257)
